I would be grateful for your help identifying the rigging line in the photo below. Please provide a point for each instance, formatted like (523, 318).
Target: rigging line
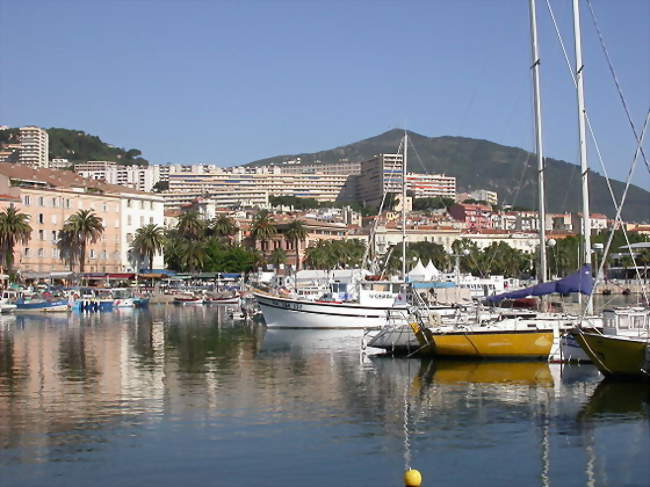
(592, 133)
(618, 215)
(616, 82)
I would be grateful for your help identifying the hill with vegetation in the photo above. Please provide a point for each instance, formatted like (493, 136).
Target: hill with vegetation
(76, 146)
(481, 164)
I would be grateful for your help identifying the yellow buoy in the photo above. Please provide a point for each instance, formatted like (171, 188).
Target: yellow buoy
(412, 478)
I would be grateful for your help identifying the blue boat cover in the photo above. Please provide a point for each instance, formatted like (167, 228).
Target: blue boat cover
(432, 285)
(578, 282)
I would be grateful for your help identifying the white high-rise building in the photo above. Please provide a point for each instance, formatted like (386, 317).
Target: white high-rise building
(34, 147)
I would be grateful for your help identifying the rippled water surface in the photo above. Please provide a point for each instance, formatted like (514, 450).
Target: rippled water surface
(183, 396)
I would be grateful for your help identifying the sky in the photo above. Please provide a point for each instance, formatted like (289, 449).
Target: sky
(230, 82)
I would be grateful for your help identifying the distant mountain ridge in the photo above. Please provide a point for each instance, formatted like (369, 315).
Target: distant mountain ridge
(481, 164)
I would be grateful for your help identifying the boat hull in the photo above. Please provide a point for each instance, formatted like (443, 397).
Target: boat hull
(183, 301)
(530, 344)
(50, 307)
(222, 301)
(616, 356)
(292, 313)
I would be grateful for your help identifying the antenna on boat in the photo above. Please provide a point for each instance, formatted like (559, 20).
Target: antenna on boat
(538, 142)
(582, 141)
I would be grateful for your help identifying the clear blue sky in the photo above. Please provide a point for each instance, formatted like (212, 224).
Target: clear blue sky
(230, 82)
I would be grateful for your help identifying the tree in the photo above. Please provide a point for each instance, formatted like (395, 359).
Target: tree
(278, 256)
(296, 233)
(193, 255)
(190, 226)
(14, 228)
(69, 247)
(160, 186)
(86, 227)
(263, 227)
(224, 227)
(149, 241)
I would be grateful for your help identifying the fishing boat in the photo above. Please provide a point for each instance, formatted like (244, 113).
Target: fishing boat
(42, 305)
(623, 347)
(222, 300)
(8, 301)
(188, 299)
(122, 298)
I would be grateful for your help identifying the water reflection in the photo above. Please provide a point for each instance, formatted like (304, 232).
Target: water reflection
(85, 387)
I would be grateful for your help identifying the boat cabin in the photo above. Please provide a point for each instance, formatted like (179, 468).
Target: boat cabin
(633, 321)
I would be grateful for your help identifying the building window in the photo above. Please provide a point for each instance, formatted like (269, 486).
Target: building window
(41, 201)
(67, 203)
(55, 253)
(53, 235)
(93, 255)
(151, 220)
(128, 203)
(105, 208)
(55, 202)
(40, 252)
(54, 219)
(141, 220)
(26, 200)
(41, 218)
(129, 237)
(41, 235)
(26, 252)
(128, 220)
(141, 205)
(104, 255)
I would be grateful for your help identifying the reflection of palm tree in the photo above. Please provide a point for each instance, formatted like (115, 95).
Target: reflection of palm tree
(296, 232)
(86, 226)
(14, 227)
(149, 241)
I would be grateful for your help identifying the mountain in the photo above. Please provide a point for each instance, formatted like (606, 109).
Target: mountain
(481, 164)
(76, 145)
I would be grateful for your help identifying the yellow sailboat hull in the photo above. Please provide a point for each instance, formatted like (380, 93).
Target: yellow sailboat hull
(529, 344)
(615, 355)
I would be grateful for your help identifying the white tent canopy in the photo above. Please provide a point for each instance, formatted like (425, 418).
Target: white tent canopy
(418, 273)
(432, 271)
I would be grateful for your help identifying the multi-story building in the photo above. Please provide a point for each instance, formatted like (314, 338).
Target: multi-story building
(49, 197)
(431, 185)
(60, 163)
(339, 167)
(379, 175)
(490, 197)
(475, 216)
(138, 177)
(138, 209)
(34, 147)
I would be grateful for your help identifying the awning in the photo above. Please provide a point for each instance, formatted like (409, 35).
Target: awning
(122, 275)
(151, 276)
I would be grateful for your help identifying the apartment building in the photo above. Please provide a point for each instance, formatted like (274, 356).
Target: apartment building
(339, 167)
(138, 209)
(49, 197)
(380, 174)
(34, 146)
(142, 178)
(431, 185)
(475, 216)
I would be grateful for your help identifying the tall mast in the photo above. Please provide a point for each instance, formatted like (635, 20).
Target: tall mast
(404, 162)
(584, 168)
(538, 143)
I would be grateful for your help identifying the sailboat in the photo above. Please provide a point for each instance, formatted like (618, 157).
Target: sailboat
(373, 304)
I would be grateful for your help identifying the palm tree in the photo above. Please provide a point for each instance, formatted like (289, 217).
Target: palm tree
(278, 256)
(296, 232)
(14, 227)
(224, 227)
(149, 241)
(263, 227)
(193, 255)
(85, 226)
(191, 226)
(69, 246)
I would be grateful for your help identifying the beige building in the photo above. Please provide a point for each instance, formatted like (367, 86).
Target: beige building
(379, 175)
(49, 197)
(34, 147)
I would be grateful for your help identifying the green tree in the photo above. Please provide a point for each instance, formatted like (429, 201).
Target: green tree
(224, 227)
(69, 247)
(193, 255)
(263, 227)
(149, 241)
(86, 227)
(278, 256)
(190, 226)
(296, 232)
(14, 228)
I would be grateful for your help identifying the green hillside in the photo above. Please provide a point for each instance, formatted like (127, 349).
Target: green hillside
(76, 145)
(480, 164)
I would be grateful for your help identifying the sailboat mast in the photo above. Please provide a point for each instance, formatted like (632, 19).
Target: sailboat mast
(584, 168)
(404, 163)
(538, 143)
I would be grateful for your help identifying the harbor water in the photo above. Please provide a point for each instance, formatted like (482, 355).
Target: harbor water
(178, 395)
